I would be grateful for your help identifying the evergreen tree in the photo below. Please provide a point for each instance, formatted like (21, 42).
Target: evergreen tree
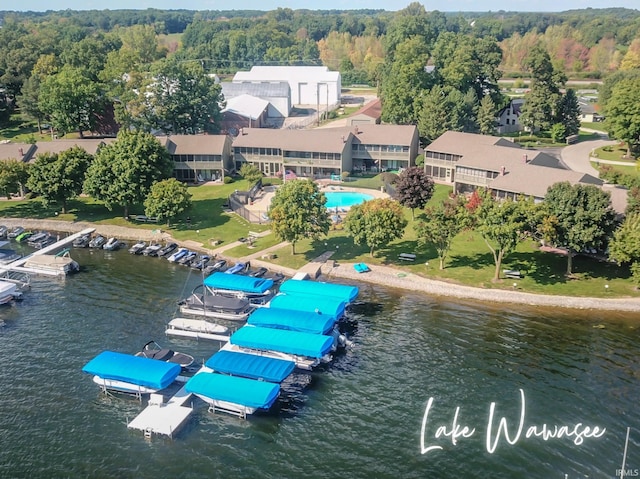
(568, 112)
(487, 116)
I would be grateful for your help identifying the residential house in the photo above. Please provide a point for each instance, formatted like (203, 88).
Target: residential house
(322, 152)
(509, 117)
(90, 145)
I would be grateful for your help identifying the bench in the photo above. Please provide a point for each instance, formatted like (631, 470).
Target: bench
(407, 256)
(512, 274)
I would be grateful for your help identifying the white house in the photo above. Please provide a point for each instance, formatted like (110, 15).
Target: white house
(309, 85)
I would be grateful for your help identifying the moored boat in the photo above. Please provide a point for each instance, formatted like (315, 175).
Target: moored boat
(97, 241)
(195, 328)
(188, 258)
(177, 255)
(152, 249)
(152, 350)
(201, 262)
(36, 238)
(24, 236)
(131, 374)
(167, 249)
(15, 232)
(82, 241)
(218, 265)
(112, 244)
(202, 303)
(238, 268)
(9, 292)
(138, 247)
(3, 231)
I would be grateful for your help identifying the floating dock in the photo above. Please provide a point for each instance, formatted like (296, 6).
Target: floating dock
(163, 418)
(18, 265)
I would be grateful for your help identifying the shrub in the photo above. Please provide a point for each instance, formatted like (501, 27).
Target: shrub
(227, 180)
(388, 177)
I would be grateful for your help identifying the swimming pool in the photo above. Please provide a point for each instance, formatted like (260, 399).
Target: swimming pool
(345, 199)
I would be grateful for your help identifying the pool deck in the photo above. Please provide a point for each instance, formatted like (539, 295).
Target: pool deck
(262, 202)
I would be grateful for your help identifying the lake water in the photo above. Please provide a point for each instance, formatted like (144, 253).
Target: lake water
(359, 417)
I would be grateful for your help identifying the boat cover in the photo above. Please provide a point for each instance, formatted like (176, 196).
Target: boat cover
(251, 366)
(133, 369)
(241, 391)
(282, 340)
(303, 302)
(304, 321)
(238, 282)
(342, 292)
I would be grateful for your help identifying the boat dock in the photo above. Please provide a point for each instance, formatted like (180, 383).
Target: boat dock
(165, 418)
(18, 265)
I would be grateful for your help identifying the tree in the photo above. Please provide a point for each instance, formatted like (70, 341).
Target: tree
(623, 112)
(59, 177)
(441, 226)
(298, 211)
(502, 225)
(123, 172)
(179, 98)
(443, 109)
(568, 112)
(487, 116)
(13, 177)
(70, 100)
(375, 223)
(250, 172)
(625, 245)
(167, 199)
(539, 108)
(414, 189)
(558, 132)
(584, 215)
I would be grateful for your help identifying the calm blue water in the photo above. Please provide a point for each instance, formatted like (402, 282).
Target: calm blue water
(359, 417)
(344, 199)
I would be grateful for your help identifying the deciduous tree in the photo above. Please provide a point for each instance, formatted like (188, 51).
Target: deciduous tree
(625, 244)
(375, 223)
(59, 177)
(441, 225)
(13, 176)
(167, 199)
(123, 172)
(584, 215)
(414, 189)
(298, 212)
(623, 112)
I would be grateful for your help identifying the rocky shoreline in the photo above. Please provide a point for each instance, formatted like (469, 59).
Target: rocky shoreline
(382, 275)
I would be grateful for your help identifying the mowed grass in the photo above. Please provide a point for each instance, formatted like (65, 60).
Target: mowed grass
(469, 262)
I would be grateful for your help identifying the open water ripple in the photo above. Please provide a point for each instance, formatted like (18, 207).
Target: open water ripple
(358, 417)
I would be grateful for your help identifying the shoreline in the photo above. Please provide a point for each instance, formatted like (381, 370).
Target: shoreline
(382, 275)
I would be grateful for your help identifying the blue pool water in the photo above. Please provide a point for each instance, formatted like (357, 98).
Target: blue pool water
(345, 199)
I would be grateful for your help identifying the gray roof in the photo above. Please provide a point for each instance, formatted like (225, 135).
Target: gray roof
(328, 140)
(194, 144)
(90, 145)
(279, 89)
(370, 134)
(460, 143)
(532, 180)
(16, 151)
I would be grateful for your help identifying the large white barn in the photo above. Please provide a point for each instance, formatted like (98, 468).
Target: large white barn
(309, 85)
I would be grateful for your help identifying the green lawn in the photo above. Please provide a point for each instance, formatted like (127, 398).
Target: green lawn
(470, 261)
(612, 153)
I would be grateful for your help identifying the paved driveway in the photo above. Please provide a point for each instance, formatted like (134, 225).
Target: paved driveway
(577, 157)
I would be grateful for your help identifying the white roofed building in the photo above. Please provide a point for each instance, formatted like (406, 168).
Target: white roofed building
(244, 111)
(277, 94)
(310, 85)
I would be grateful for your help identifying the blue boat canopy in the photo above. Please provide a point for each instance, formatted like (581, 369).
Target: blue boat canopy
(240, 391)
(342, 292)
(331, 307)
(136, 370)
(251, 366)
(282, 340)
(238, 282)
(304, 321)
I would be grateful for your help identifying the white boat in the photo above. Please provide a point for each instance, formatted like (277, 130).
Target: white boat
(97, 241)
(112, 244)
(152, 249)
(175, 257)
(7, 255)
(9, 292)
(196, 328)
(61, 263)
(138, 247)
(15, 232)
